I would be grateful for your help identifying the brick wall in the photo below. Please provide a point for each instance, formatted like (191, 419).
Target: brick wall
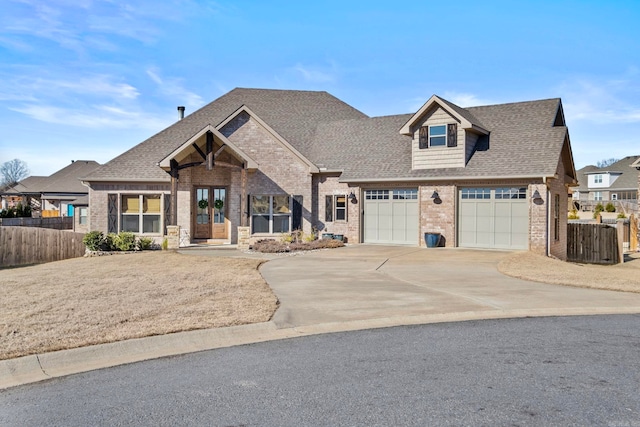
(99, 204)
(328, 185)
(438, 216)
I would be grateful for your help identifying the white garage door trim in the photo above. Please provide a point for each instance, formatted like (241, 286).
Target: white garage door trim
(391, 216)
(493, 217)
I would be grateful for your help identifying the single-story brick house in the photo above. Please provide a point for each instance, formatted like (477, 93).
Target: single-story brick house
(257, 163)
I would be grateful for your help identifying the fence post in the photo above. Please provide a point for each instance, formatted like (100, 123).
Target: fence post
(620, 239)
(633, 238)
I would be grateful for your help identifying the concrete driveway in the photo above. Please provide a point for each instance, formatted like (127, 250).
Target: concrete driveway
(365, 282)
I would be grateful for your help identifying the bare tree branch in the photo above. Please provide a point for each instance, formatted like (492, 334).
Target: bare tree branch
(13, 171)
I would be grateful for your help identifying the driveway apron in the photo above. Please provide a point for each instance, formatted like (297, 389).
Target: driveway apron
(365, 282)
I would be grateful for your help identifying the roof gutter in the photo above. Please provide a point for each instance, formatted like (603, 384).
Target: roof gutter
(448, 178)
(126, 180)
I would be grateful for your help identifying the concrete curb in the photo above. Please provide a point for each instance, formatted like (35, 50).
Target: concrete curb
(34, 368)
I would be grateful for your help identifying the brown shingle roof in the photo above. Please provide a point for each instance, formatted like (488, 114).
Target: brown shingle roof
(294, 114)
(67, 179)
(522, 142)
(331, 134)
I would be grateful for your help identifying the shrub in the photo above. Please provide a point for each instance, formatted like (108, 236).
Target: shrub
(145, 243)
(125, 241)
(610, 207)
(599, 208)
(621, 215)
(93, 240)
(573, 214)
(165, 244)
(110, 242)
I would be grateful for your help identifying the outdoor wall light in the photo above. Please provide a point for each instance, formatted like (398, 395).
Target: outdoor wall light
(436, 197)
(536, 195)
(352, 198)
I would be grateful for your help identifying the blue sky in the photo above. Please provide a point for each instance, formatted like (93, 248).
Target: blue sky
(89, 79)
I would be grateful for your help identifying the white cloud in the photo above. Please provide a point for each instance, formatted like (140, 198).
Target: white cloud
(464, 100)
(95, 116)
(173, 87)
(316, 74)
(31, 88)
(615, 100)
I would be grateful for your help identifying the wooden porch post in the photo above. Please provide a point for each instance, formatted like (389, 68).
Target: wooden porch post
(243, 192)
(173, 218)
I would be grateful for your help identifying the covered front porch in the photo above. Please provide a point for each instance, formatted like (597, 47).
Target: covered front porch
(208, 200)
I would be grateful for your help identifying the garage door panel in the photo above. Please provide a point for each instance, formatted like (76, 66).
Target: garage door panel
(494, 222)
(391, 217)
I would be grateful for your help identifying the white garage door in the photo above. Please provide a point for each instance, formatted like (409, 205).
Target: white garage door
(493, 218)
(391, 216)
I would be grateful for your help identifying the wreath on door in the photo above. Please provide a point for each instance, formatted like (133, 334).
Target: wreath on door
(218, 204)
(203, 204)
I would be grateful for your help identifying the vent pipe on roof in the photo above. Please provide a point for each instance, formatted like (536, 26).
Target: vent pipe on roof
(181, 112)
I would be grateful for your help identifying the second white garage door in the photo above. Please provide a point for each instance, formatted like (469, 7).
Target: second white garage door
(493, 218)
(391, 216)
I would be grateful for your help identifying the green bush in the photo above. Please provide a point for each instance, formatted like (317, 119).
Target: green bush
(125, 241)
(574, 214)
(165, 244)
(110, 242)
(610, 207)
(145, 243)
(93, 240)
(621, 215)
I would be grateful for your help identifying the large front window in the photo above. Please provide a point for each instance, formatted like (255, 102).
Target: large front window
(270, 214)
(140, 213)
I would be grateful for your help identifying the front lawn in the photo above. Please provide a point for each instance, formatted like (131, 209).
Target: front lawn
(86, 301)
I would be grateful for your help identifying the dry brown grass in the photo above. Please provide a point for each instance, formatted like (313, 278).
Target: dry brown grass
(85, 301)
(529, 266)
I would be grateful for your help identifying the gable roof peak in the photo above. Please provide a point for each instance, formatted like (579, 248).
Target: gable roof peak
(464, 116)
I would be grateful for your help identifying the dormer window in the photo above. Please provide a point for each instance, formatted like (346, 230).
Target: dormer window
(598, 179)
(438, 136)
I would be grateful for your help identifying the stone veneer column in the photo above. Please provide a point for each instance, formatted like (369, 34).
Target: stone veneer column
(173, 236)
(244, 235)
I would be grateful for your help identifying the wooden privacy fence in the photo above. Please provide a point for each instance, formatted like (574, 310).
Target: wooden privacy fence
(592, 243)
(59, 223)
(26, 245)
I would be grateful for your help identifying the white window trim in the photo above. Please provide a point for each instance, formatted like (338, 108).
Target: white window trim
(141, 214)
(438, 136)
(335, 208)
(271, 214)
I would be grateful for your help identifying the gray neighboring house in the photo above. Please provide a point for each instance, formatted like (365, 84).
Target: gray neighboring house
(258, 163)
(616, 183)
(54, 195)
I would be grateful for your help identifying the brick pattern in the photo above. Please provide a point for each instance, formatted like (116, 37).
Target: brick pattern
(328, 185)
(438, 217)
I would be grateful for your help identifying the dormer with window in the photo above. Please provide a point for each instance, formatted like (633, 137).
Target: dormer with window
(444, 135)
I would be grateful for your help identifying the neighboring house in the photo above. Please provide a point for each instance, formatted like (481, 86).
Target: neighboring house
(25, 193)
(636, 165)
(52, 196)
(258, 163)
(615, 183)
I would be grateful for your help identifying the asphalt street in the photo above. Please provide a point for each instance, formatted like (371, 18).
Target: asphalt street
(556, 371)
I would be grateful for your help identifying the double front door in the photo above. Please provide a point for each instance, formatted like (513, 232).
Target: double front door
(210, 213)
